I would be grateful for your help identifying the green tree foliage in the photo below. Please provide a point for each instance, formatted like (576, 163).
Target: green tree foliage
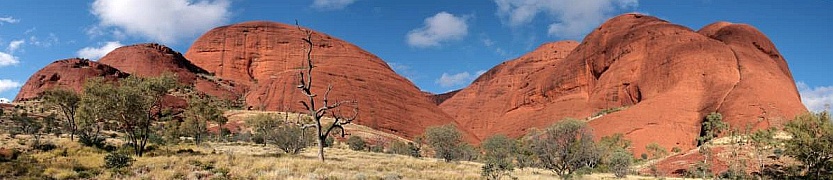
(92, 113)
(356, 143)
(712, 126)
(288, 137)
(812, 144)
(201, 110)
(656, 151)
(116, 160)
(763, 141)
(619, 162)
(616, 156)
(133, 105)
(566, 146)
(26, 124)
(402, 148)
(66, 103)
(498, 151)
(447, 142)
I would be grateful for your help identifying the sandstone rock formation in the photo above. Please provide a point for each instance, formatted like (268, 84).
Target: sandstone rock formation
(152, 60)
(67, 73)
(267, 57)
(666, 76)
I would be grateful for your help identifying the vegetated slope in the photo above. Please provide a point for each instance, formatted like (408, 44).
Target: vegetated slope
(668, 76)
(152, 60)
(267, 58)
(68, 73)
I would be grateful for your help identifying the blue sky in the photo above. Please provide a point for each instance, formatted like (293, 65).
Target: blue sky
(440, 45)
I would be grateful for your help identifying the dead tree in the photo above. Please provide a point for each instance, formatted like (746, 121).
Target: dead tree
(317, 113)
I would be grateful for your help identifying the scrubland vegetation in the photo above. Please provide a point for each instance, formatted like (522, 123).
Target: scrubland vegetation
(37, 144)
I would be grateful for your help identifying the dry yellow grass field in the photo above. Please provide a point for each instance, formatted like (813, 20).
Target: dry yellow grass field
(249, 161)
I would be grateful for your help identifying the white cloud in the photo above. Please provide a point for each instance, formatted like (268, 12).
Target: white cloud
(98, 52)
(8, 59)
(8, 19)
(438, 28)
(816, 98)
(8, 84)
(571, 18)
(46, 42)
(331, 4)
(15, 45)
(463, 78)
(161, 20)
(4, 100)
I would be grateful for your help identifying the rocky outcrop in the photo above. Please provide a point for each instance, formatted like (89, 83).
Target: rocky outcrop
(440, 98)
(152, 60)
(667, 77)
(268, 56)
(67, 73)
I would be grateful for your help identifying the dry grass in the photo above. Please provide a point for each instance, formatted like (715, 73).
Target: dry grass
(248, 161)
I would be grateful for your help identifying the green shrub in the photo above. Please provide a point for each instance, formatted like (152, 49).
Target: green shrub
(498, 151)
(45, 146)
(91, 141)
(446, 141)
(566, 146)
(676, 150)
(356, 143)
(494, 169)
(117, 160)
(398, 147)
(620, 162)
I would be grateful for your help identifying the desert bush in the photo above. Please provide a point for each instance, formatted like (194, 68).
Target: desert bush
(620, 161)
(91, 140)
(656, 151)
(23, 167)
(498, 147)
(401, 148)
(676, 150)
(356, 143)
(495, 169)
(498, 151)
(288, 137)
(46, 146)
(447, 142)
(117, 160)
(565, 147)
(811, 144)
(608, 111)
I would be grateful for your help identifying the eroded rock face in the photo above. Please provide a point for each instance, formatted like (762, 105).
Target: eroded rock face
(268, 56)
(68, 73)
(153, 60)
(668, 77)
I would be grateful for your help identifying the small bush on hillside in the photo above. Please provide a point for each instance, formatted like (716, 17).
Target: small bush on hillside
(356, 143)
(45, 146)
(91, 141)
(676, 150)
(620, 162)
(397, 147)
(447, 142)
(269, 129)
(811, 144)
(117, 160)
(498, 152)
(567, 146)
(656, 150)
(495, 169)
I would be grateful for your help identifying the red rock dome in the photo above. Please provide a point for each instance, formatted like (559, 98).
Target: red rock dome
(67, 73)
(267, 57)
